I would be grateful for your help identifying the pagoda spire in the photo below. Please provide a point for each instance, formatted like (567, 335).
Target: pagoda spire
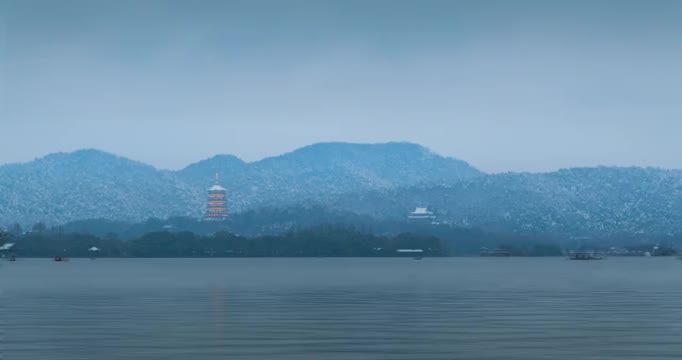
(216, 208)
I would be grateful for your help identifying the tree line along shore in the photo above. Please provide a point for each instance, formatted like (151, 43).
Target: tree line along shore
(314, 241)
(321, 241)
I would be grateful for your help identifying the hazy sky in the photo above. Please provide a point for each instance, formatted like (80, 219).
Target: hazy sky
(505, 85)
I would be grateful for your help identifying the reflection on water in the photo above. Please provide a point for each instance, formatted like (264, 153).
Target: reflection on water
(342, 309)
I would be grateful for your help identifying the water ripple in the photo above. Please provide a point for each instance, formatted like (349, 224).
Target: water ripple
(341, 309)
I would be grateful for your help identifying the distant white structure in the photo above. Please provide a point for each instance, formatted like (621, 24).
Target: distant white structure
(7, 247)
(416, 253)
(411, 251)
(421, 215)
(93, 251)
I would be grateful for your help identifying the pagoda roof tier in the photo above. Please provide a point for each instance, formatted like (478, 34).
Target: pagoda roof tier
(217, 187)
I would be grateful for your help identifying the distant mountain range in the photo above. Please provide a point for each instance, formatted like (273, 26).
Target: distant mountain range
(323, 171)
(93, 184)
(381, 180)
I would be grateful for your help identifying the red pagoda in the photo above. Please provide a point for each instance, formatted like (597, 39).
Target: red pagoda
(216, 209)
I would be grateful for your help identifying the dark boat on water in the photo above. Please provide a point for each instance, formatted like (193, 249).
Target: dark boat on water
(495, 252)
(59, 258)
(586, 255)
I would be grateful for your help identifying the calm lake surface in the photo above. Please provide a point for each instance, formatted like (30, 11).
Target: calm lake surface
(328, 308)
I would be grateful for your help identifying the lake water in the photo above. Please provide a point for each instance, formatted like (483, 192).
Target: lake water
(326, 308)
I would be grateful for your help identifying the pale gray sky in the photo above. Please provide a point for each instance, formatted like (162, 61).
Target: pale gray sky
(504, 85)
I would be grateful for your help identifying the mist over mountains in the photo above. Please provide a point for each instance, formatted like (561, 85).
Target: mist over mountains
(378, 180)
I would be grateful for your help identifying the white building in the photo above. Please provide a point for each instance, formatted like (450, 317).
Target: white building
(421, 215)
(7, 247)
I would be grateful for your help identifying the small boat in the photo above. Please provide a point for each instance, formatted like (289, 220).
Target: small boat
(417, 257)
(495, 252)
(59, 258)
(586, 255)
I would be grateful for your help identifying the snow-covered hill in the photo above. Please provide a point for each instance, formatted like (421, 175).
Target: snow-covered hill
(382, 180)
(578, 202)
(90, 184)
(93, 184)
(321, 172)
